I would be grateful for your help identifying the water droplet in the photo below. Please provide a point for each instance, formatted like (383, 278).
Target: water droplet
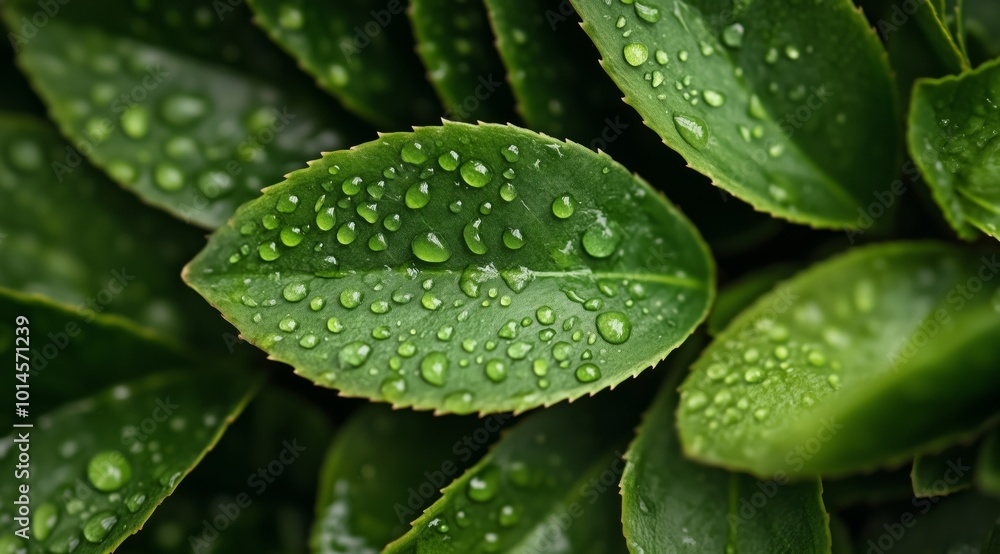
(519, 350)
(459, 402)
(496, 370)
(646, 12)
(334, 325)
(511, 153)
(864, 296)
(484, 486)
(418, 195)
(429, 247)
(108, 471)
(430, 301)
(507, 192)
(368, 212)
(563, 206)
(347, 233)
(135, 501)
(393, 388)
(753, 375)
(288, 324)
(354, 354)
(325, 219)
(781, 352)
(512, 238)
(351, 298)
(635, 53)
(732, 35)
(692, 129)
(182, 110)
(509, 516)
(712, 98)
(287, 204)
(448, 161)
(601, 241)
(614, 327)
(545, 315)
(295, 292)
(662, 57)
(816, 358)
(695, 401)
(414, 153)
(475, 173)
(98, 526)
(42, 522)
(290, 17)
(434, 368)
(588, 373)
(168, 177)
(309, 341)
(792, 52)
(377, 242)
(472, 237)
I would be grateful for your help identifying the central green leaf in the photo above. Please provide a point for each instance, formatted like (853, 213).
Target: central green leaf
(461, 268)
(788, 106)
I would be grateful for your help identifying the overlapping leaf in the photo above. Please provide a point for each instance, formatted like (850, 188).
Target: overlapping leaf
(671, 503)
(359, 51)
(836, 370)
(455, 41)
(109, 460)
(184, 103)
(952, 137)
(789, 107)
(369, 494)
(463, 268)
(549, 485)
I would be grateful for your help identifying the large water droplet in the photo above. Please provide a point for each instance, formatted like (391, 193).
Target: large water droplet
(485, 485)
(108, 471)
(614, 327)
(692, 129)
(98, 526)
(635, 53)
(354, 354)
(732, 35)
(414, 153)
(646, 12)
(475, 173)
(588, 373)
(601, 241)
(496, 370)
(563, 206)
(434, 368)
(429, 247)
(512, 238)
(473, 239)
(43, 522)
(448, 161)
(295, 292)
(418, 195)
(287, 203)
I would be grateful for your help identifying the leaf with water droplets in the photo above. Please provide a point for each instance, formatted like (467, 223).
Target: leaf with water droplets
(455, 42)
(78, 240)
(671, 504)
(790, 107)
(69, 339)
(369, 494)
(452, 297)
(548, 485)
(270, 456)
(360, 52)
(110, 459)
(943, 473)
(188, 107)
(832, 371)
(557, 92)
(952, 137)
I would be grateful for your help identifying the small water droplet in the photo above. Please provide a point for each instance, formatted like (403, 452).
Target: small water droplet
(295, 292)
(496, 370)
(448, 161)
(475, 173)
(354, 354)
(429, 247)
(414, 153)
(484, 486)
(614, 327)
(512, 238)
(692, 129)
(588, 373)
(732, 35)
(601, 241)
(287, 203)
(42, 522)
(351, 298)
(418, 195)
(563, 206)
(510, 153)
(434, 368)
(98, 526)
(351, 186)
(635, 53)
(108, 471)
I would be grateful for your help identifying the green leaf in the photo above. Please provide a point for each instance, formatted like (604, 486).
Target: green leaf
(455, 42)
(939, 36)
(187, 108)
(369, 495)
(461, 268)
(63, 340)
(987, 476)
(79, 241)
(942, 474)
(109, 460)
(741, 293)
(671, 503)
(271, 456)
(982, 22)
(954, 525)
(558, 91)
(360, 52)
(789, 108)
(549, 485)
(952, 140)
(833, 372)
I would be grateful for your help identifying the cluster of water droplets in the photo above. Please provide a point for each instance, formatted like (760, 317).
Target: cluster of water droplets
(660, 67)
(91, 507)
(353, 206)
